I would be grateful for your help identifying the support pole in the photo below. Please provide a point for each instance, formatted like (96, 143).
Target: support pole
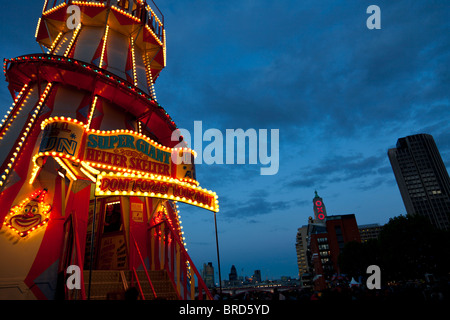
(92, 248)
(218, 256)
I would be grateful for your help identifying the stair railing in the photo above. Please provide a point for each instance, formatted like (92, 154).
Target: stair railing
(145, 269)
(138, 283)
(168, 253)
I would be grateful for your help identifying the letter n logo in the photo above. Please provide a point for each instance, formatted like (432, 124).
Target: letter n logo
(66, 146)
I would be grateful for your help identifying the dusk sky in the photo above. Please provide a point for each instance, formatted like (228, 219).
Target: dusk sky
(340, 94)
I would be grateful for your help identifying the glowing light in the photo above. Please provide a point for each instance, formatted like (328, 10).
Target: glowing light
(133, 58)
(30, 215)
(93, 179)
(154, 35)
(34, 174)
(65, 167)
(25, 133)
(45, 6)
(72, 41)
(164, 47)
(54, 8)
(92, 4)
(158, 187)
(91, 113)
(126, 14)
(109, 76)
(6, 124)
(55, 42)
(89, 168)
(37, 28)
(319, 210)
(105, 38)
(92, 167)
(150, 82)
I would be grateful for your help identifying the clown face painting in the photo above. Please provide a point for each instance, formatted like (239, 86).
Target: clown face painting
(29, 215)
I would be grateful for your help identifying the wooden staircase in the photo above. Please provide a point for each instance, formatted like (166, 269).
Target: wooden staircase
(112, 284)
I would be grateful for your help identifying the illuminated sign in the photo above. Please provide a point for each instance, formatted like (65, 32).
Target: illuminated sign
(126, 152)
(165, 188)
(122, 162)
(62, 137)
(117, 150)
(319, 209)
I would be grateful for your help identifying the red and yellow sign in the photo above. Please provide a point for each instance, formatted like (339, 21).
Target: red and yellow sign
(117, 150)
(165, 188)
(123, 162)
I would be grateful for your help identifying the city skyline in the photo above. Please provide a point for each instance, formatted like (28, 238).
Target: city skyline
(340, 94)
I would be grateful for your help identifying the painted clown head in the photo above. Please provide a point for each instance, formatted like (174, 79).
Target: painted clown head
(31, 214)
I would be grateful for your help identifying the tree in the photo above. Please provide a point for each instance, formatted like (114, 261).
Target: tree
(408, 247)
(411, 246)
(356, 257)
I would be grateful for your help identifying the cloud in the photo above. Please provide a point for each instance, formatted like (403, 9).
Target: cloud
(338, 169)
(257, 203)
(326, 64)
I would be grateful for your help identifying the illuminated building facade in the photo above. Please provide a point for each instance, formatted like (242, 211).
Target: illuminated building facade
(321, 242)
(340, 230)
(320, 212)
(422, 178)
(89, 173)
(369, 231)
(301, 247)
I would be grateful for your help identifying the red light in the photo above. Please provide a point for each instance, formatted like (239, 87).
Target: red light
(319, 210)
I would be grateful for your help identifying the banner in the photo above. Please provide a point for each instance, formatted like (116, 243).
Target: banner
(171, 189)
(117, 150)
(123, 162)
(62, 137)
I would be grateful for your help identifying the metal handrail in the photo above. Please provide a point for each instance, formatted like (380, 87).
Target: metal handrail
(185, 258)
(143, 265)
(138, 283)
(151, 15)
(162, 16)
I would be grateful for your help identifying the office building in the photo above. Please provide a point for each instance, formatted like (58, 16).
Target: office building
(208, 275)
(422, 178)
(257, 276)
(232, 276)
(321, 242)
(340, 230)
(301, 246)
(326, 242)
(369, 231)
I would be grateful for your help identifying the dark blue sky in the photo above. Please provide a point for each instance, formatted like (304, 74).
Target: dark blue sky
(339, 93)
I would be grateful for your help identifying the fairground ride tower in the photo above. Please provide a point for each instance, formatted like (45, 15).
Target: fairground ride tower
(90, 175)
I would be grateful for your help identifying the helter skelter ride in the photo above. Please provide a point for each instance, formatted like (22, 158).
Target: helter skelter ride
(90, 175)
